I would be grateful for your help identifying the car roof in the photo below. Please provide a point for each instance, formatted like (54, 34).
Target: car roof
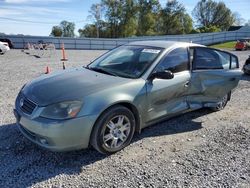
(163, 44)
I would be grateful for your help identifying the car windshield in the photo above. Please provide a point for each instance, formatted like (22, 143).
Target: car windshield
(126, 61)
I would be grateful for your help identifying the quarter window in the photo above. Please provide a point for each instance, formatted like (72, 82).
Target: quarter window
(176, 61)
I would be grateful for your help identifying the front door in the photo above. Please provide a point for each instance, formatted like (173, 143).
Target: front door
(166, 97)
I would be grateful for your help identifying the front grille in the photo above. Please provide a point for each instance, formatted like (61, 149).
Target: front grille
(27, 106)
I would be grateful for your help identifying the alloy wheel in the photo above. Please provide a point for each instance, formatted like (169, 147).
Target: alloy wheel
(116, 131)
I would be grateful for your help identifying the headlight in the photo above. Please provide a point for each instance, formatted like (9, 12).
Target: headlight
(62, 110)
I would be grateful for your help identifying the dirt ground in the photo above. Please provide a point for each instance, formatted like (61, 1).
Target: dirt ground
(198, 149)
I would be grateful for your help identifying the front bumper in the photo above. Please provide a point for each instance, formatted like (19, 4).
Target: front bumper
(55, 135)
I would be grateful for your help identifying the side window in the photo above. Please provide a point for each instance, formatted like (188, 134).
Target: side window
(205, 58)
(176, 61)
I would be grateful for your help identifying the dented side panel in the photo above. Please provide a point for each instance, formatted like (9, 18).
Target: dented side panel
(166, 97)
(209, 86)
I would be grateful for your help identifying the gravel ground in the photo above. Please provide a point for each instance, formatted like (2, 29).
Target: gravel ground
(198, 149)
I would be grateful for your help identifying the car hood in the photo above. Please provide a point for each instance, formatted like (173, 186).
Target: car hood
(67, 85)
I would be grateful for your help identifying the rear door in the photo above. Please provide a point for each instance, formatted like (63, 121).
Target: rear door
(214, 74)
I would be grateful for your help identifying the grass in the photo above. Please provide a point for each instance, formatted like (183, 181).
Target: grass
(226, 45)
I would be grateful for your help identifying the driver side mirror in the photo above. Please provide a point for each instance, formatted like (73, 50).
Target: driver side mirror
(165, 75)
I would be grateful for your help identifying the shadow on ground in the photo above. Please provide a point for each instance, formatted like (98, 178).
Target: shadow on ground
(25, 164)
(28, 53)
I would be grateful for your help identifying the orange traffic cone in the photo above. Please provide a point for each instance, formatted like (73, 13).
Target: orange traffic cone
(47, 70)
(63, 53)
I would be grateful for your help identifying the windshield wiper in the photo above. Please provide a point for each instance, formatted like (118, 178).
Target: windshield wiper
(96, 69)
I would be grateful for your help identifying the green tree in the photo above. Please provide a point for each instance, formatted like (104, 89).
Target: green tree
(148, 15)
(209, 29)
(56, 31)
(211, 13)
(129, 28)
(96, 12)
(89, 30)
(68, 29)
(128, 22)
(194, 31)
(175, 19)
(113, 14)
(187, 23)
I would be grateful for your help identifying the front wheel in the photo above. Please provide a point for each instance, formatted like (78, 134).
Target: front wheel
(114, 130)
(222, 104)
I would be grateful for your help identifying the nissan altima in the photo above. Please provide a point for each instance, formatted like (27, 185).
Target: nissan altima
(125, 90)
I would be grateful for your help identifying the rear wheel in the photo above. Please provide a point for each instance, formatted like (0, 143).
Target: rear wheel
(222, 104)
(113, 130)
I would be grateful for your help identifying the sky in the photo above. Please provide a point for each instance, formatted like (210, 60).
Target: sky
(37, 17)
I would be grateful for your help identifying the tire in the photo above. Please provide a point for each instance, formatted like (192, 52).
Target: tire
(222, 104)
(113, 130)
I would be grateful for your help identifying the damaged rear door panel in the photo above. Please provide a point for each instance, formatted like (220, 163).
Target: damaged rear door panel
(215, 74)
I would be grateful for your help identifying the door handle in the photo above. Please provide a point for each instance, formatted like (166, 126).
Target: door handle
(186, 84)
(232, 79)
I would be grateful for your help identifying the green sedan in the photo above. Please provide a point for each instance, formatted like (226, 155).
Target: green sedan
(123, 91)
